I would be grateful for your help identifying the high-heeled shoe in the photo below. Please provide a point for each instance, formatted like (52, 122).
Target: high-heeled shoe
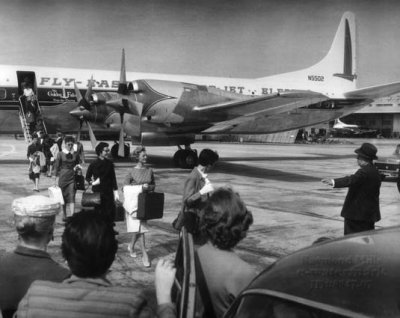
(146, 262)
(131, 253)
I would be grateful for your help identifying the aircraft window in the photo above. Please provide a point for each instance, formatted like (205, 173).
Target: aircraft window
(3, 93)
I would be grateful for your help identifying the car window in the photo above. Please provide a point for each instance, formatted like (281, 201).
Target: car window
(261, 306)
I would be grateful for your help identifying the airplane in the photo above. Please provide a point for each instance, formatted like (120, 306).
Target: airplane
(162, 109)
(341, 129)
(338, 124)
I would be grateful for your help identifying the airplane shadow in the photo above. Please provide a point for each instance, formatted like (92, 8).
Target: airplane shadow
(287, 158)
(257, 172)
(226, 165)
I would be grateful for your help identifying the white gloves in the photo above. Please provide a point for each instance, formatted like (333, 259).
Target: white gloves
(329, 182)
(208, 187)
(96, 182)
(116, 195)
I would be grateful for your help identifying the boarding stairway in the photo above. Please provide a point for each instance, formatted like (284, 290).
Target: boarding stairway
(31, 121)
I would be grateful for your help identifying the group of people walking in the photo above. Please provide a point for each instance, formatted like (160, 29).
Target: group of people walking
(216, 217)
(100, 176)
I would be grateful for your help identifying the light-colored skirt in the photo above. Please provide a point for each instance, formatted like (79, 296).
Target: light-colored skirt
(134, 225)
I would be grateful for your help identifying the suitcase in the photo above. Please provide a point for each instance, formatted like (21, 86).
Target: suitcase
(150, 205)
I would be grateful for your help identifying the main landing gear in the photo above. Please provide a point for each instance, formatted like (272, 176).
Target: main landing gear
(185, 158)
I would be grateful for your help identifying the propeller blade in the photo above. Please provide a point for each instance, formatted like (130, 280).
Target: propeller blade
(122, 77)
(78, 138)
(91, 135)
(77, 92)
(83, 103)
(122, 87)
(89, 91)
(121, 148)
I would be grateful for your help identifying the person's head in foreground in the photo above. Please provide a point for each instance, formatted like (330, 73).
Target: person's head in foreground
(226, 219)
(89, 244)
(34, 218)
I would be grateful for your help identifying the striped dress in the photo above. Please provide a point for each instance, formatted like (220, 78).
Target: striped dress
(138, 176)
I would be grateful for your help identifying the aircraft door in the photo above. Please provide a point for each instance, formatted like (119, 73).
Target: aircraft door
(31, 116)
(27, 77)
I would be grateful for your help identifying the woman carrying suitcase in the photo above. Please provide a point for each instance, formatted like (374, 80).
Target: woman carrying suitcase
(143, 179)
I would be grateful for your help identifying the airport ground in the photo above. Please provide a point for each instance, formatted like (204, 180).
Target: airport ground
(279, 183)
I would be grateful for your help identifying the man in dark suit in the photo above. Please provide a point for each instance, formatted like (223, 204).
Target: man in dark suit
(361, 206)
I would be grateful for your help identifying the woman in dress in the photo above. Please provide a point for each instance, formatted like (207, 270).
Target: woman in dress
(139, 175)
(64, 167)
(224, 223)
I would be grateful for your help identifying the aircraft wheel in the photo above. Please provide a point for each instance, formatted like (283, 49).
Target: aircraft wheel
(114, 151)
(178, 157)
(190, 159)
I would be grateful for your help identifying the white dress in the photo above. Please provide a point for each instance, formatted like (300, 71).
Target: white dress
(133, 183)
(131, 193)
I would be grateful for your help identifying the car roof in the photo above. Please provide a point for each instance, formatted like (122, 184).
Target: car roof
(358, 273)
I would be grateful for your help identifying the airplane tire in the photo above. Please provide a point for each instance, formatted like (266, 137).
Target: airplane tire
(114, 151)
(191, 159)
(178, 157)
(185, 159)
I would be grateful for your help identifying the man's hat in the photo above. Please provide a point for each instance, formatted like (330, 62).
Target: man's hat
(367, 151)
(35, 206)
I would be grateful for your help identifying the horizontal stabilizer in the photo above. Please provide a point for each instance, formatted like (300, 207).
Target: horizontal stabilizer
(375, 92)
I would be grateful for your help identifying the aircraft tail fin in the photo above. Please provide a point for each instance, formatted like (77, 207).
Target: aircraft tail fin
(339, 66)
(336, 72)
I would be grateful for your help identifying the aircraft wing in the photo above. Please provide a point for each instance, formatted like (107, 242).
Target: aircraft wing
(375, 92)
(253, 108)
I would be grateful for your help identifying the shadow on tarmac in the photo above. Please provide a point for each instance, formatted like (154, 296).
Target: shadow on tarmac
(256, 172)
(291, 158)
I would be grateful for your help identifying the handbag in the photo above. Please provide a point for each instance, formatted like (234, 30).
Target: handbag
(56, 194)
(90, 199)
(119, 212)
(150, 205)
(79, 181)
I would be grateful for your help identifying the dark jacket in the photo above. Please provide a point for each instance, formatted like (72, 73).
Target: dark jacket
(362, 200)
(103, 169)
(32, 148)
(192, 199)
(19, 269)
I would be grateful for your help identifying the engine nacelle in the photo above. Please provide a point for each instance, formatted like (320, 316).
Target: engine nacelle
(162, 139)
(103, 97)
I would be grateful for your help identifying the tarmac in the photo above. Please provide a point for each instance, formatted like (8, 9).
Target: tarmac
(280, 184)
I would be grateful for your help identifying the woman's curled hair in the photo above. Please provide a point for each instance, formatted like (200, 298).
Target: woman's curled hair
(226, 219)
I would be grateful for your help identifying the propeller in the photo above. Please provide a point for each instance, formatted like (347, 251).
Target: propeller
(127, 105)
(83, 111)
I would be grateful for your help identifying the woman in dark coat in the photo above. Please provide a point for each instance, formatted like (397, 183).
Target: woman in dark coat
(66, 162)
(101, 175)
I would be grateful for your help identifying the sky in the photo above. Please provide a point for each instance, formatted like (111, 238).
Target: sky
(227, 38)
